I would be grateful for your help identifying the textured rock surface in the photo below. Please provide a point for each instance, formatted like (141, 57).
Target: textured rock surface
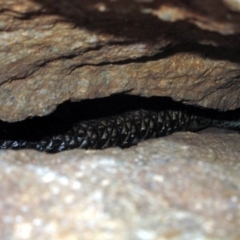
(185, 186)
(52, 51)
(171, 188)
(234, 5)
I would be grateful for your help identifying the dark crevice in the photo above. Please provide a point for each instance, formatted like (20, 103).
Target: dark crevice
(69, 113)
(207, 52)
(133, 24)
(210, 52)
(214, 53)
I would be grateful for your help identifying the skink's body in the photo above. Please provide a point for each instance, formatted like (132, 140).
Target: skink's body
(122, 130)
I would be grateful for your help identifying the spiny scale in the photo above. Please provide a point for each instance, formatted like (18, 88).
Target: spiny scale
(122, 130)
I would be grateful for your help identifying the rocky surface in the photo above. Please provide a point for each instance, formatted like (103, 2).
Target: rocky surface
(170, 188)
(185, 186)
(52, 51)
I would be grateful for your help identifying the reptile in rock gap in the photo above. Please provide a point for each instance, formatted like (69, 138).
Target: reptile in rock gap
(69, 127)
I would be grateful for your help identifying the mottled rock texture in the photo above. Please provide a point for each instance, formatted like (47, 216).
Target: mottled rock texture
(182, 187)
(172, 188)
(52, 51)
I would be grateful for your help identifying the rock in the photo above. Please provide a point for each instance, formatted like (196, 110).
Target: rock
(53, 51)
(234, 5)
(210, 15)
(185, 186)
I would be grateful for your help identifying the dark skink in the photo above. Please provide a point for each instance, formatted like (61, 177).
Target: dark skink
(122, 130)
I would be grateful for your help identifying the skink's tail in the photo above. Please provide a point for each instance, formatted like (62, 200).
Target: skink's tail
(227, 124)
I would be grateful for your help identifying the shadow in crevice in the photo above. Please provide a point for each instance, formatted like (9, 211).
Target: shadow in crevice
(69, 113)
(133, 26)
(207, 52)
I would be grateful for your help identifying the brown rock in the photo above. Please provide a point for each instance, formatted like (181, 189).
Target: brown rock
(185, 186)
(234, 5)
(210, 15)
(58, 50)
